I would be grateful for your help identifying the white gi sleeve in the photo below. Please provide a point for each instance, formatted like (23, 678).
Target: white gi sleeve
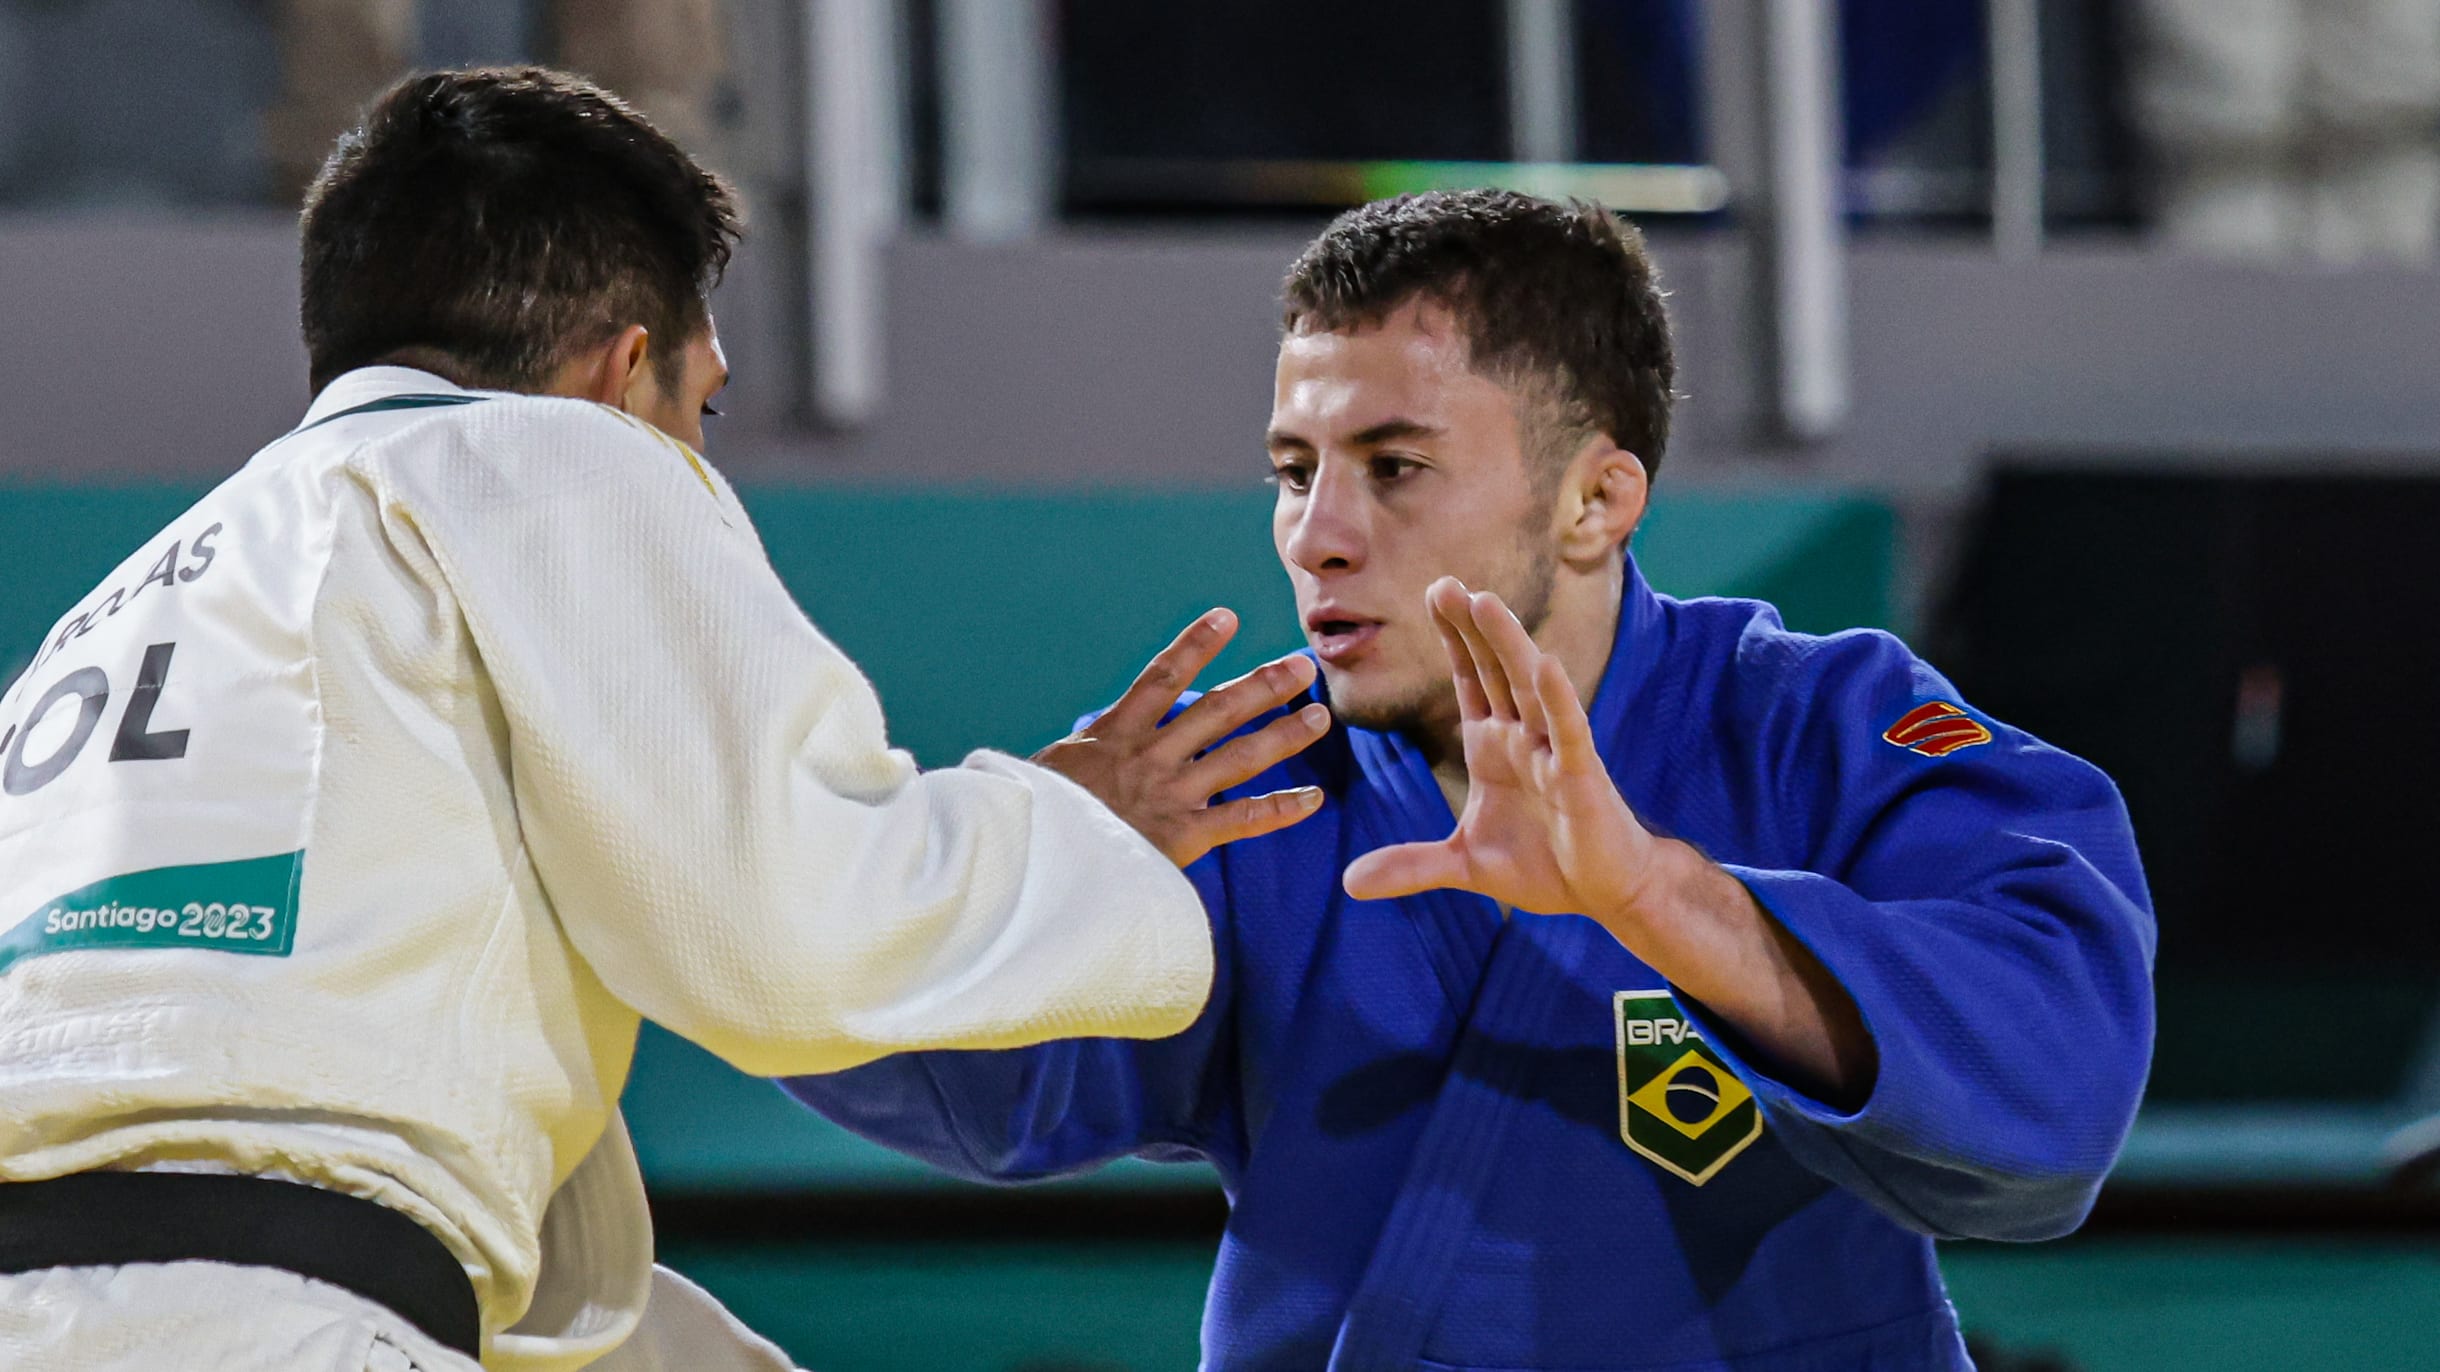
(707, 795)
(686, 1329)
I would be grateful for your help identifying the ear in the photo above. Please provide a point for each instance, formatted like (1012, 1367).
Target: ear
(607, 374)
(1601, 501)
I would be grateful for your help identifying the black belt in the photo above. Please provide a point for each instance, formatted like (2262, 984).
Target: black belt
(111, 1219)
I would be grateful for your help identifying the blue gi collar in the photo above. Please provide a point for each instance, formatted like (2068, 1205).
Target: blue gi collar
(1642, 635)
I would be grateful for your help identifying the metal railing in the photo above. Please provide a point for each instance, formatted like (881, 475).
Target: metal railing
(1770, 79)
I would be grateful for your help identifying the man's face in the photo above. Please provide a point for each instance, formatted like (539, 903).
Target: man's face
(704, 370)
(1398, 464)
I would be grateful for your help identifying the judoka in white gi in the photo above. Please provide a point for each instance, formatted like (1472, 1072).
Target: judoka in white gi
(349, 827)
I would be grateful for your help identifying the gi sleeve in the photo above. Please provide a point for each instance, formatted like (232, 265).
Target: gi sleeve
(1033, 1113)
(705, 791)
(1978, 894)
(1029, 1114)
(687, 1329)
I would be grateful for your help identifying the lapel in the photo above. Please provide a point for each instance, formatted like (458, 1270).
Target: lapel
(1402, 803)
(1458, 1154)
(1635, 650)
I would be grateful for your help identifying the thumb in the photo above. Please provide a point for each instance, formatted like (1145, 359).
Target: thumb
(1403, 869)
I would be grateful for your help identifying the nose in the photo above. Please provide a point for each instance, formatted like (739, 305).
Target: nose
(1329, 529)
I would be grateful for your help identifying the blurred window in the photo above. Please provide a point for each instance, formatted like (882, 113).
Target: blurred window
(133, 103)
(1639, 81)
(1215, 106)
(1260, 104)
(1177, 106)
(1918, 110)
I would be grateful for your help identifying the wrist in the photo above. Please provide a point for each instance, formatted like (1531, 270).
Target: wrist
(1684, 916)
(1671, 874)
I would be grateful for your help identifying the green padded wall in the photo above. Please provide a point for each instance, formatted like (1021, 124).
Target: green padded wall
(61, 541)
(994, 618)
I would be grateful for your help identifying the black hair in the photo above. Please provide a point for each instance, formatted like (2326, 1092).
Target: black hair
(1557, 299)
(503, 219)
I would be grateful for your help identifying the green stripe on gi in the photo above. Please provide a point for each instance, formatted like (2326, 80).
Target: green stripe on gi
(394, 402)
(223, 907)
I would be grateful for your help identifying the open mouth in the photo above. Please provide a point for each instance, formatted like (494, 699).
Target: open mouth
(1338, 641)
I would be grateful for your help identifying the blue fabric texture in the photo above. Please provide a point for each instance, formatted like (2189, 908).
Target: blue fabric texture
(1415, 1105)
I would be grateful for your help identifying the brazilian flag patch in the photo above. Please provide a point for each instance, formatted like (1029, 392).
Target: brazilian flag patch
(1678, 1104)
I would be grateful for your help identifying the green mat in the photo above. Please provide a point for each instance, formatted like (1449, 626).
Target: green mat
(2118, 1305)
(1016, 1307)
(2192, 1305)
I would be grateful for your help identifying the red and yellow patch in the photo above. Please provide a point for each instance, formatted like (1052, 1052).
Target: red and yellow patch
(1936, 729)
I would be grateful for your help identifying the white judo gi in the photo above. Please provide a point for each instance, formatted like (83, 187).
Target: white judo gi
(349, 827)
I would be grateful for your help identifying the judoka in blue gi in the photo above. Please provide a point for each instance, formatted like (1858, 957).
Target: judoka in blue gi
(1661, 1033)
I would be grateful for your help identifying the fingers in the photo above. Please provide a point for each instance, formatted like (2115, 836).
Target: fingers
(1564, 722)
(1253, 817)
(1519, 657)
(1225, 709)
(1446, 599)
(1242, 759)
(1403, 869)
(1459, 613)
(1170, 672)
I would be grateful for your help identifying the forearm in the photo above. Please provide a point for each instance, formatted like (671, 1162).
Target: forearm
(2011, 1026)
(1700, 928)
(1017, 1114)
(985, 906)
(1054, 1108)
(1988, 922)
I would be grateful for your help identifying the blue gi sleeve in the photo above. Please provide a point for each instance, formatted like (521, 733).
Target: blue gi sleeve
(1027, 1114)
(1978, 893)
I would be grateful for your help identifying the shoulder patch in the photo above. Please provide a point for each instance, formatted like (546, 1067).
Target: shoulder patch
(1936, 728)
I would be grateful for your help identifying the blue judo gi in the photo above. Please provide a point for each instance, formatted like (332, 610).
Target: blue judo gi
(1453, 1140)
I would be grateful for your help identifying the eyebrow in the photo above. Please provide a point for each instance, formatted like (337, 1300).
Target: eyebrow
(1391, 430)
(1387, 431)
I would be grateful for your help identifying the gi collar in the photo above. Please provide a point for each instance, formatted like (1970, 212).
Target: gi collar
(367, 386)
(1642, 636)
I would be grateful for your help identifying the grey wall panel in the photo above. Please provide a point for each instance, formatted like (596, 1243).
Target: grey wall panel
(1143, 359)
(1105, 360)
(141, 348)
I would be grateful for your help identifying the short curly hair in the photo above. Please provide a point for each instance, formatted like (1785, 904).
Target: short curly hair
(1559, 300)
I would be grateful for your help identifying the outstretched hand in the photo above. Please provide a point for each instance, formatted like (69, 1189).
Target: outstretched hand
(1161, 777)
(1544, 828)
